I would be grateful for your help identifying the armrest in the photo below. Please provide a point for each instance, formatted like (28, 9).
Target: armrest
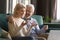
(3, 39)
(5, 34)
(41, 26)
(41, 38)
(44, 35)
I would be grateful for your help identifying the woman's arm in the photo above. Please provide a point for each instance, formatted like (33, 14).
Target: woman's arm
(20, 27)
(28, 31)
(29, 28)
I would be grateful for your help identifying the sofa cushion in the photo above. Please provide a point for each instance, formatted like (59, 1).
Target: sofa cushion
(3, 22)
(0, 32)
(39, 20)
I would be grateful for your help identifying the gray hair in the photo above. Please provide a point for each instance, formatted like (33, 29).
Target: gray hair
(32, 6)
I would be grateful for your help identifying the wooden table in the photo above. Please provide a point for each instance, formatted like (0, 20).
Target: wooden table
(54, 35)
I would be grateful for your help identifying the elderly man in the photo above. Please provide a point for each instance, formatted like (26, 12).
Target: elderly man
(35, 30)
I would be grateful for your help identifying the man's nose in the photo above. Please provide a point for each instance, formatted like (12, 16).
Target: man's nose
(26, 12)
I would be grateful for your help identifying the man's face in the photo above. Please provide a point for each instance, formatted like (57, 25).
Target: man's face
(29, 12)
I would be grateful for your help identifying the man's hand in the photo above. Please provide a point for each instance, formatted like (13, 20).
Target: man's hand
(45, 27)
(10, 19)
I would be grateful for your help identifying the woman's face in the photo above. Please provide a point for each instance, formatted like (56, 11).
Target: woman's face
(21, 12)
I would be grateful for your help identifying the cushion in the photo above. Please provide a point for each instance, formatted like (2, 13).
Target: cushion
(3, 22)
(39, 20)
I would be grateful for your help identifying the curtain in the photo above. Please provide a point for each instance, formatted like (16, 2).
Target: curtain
(46, 8)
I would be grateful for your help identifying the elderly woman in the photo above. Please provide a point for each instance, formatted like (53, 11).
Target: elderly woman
(16, 21)
(17, 25)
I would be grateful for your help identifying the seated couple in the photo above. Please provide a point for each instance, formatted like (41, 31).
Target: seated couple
(21, 24)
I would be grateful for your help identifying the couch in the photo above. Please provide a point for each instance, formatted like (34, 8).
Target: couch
(4, 22)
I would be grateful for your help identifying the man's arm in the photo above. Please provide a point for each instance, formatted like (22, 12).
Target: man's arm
(37, 28)
(42, 30)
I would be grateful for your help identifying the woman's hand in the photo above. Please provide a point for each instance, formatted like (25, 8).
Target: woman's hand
(23, 23)
(33, 24)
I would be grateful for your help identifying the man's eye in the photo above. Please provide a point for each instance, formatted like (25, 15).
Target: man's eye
(28, 11)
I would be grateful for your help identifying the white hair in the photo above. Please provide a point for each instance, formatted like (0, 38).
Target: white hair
(32, 6)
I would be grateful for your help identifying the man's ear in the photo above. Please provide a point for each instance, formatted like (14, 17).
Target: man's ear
(33, 13)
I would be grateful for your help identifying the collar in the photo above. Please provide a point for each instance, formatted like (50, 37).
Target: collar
(26, 18)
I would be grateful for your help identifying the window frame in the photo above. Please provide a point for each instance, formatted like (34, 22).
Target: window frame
(10, 3)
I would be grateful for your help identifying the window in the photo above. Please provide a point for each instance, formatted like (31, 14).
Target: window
(11, 4)
(58, 9)
(25, 1)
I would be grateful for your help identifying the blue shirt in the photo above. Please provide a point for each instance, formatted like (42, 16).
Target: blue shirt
(35, 30)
